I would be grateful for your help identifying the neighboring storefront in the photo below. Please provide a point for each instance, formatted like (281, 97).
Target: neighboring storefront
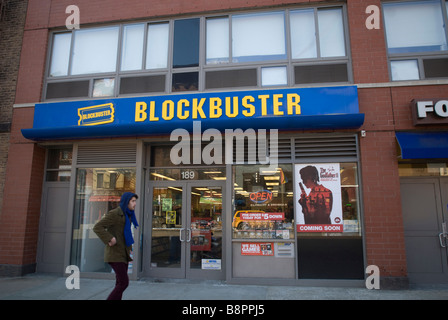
(423, 169)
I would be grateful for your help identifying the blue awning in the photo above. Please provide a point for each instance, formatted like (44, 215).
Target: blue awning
(336, 121)
(333, 108)
(423, 145)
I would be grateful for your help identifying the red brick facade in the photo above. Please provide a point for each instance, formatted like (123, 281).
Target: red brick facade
(386, 109)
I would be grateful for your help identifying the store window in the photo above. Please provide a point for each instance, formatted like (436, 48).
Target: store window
(305, 35)
(186, 43)
(274, 76)
(258, 37)
(176, 155)
(422, 169)
(329, 241)
(60, 54)
(416, 39)
(132, 52)
(263, 203)
(217, 41)
(157, 46)
(98, 190)
(95, 50)
(59, 164)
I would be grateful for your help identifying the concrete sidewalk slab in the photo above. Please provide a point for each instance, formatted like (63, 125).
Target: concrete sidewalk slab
(49, 287)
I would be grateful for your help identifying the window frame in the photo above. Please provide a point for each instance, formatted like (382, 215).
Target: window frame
(203, 67)
(419, 56)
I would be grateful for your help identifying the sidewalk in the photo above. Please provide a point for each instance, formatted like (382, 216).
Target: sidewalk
(48, 287)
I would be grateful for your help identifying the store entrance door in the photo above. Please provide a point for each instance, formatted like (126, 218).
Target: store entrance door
(187, 230)
(425, 219)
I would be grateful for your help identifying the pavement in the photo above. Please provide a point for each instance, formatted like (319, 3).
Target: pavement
(53, 287)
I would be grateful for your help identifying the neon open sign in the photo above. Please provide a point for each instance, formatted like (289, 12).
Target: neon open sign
(264, 196)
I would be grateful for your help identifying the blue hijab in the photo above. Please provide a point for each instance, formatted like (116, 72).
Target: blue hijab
(125, 198)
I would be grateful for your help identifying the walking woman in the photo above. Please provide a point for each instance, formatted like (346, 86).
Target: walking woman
(114, 229)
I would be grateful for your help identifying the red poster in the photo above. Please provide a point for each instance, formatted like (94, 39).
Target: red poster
(201, 240)
(319, 204)
(257, 249)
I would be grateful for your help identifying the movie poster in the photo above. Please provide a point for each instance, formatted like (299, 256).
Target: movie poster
(319, 204)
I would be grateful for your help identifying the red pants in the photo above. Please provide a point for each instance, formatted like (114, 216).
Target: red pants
(122, 280)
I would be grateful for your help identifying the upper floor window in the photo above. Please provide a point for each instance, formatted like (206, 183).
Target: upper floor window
(417, 39)
(327, 40)
(251, 50)
(258, 37)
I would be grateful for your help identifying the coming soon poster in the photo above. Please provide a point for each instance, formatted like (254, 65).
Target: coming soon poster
(319, 204)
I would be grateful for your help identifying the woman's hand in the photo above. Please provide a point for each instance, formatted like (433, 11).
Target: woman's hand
(112, 242)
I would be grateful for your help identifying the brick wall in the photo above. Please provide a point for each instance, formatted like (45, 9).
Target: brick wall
(19, 222)
(12, 22)
(368, 47)
(22, 163)
(384, 234)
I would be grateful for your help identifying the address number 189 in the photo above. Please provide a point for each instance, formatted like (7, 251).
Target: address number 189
(188, 175)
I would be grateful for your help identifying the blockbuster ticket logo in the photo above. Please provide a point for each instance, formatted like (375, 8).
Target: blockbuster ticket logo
(95, 115)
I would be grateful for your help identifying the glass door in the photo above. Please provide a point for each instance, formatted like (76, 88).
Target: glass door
(168, 231)
(205, 231)
(186, 230)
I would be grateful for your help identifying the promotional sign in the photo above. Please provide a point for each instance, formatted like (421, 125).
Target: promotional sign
(201, 240)
(319, 202)
(266, 216)
(257, 249)
(298, 108)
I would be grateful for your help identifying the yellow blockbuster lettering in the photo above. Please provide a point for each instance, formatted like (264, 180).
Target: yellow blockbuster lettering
(180, 104)
(215, 108)
(293, 100)
(197, 108)
(168, 110)
(152, 108)
(140, 111)
(264, 108)
(231, 108)
(277, 104)
(249, 106)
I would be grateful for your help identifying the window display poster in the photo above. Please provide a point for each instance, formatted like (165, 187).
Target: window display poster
(257, 249)
(171, 217)
(319, 202)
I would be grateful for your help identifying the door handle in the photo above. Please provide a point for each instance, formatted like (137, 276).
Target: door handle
(180, 234)
(441, 237)
(189, 235)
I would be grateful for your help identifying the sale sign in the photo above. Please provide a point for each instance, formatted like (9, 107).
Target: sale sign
(257, 249)
(256, 216)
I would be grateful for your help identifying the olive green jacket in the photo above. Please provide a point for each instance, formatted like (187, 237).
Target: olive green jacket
(112, 225)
